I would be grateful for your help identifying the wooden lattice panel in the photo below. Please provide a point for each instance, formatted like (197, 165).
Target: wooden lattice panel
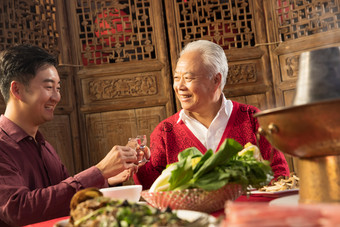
(28, 21)
(115, 31)
(299, 18)
(228, 23)
(58, 133)
(107, 129)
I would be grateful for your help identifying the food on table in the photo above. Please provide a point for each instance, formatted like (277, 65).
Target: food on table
(88, 193)
(253, 214)
(89, 208)
(251, 147)
(282, 183)
(232, 163)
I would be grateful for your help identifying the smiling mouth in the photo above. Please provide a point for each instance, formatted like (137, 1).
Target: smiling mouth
(50, 108)
(184, 96)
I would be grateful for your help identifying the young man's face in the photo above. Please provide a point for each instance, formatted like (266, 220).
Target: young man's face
(42, 95)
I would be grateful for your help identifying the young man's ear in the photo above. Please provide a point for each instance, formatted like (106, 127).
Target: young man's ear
(16, 89)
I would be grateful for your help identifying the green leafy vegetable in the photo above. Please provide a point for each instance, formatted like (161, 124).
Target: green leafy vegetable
(189, 152)
(228, 149)
(182, 174)
(212, 171)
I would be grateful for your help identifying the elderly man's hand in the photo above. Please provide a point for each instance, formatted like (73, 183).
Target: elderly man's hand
(143, 156)
(143, 153)
(117, 160)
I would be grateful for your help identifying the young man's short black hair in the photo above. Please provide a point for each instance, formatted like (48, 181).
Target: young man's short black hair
(20, 63)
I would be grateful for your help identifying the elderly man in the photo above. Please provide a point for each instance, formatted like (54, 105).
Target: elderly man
(207, 117)
(34, 184)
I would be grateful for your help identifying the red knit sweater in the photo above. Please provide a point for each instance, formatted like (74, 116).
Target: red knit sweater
(170, 138)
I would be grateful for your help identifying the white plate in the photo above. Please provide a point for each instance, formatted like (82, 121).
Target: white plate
(188, 215)
(276, 193)
(191, 216)
(291, 200)
(61, 223)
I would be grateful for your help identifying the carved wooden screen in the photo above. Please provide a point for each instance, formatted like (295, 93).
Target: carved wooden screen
(238, 26)
(27, 22)
(123, 83)
(35, 22)
(115, 31)
(298, 18)
(298, 26)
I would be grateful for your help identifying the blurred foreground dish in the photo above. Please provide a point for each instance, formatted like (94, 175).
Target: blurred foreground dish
(254, 214)
(89, 208)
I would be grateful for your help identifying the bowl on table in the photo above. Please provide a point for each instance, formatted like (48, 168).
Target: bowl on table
(194, 199)
(131, 193)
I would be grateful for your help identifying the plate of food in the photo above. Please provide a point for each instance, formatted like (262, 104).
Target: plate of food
(283, 186)
(194, 218)
(204, 182)
(90, 208)
(275, 193)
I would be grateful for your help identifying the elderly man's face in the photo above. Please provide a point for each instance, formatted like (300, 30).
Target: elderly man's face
(192, 84)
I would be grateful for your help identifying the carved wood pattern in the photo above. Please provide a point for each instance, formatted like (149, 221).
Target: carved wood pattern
(299, 18)
(115, 31)
(258, 100)
(228, 23)
(28, 21)
(241, 73)
(107, 129)
(292, 66)
(64, 101)
(103, 89)
(57, 130)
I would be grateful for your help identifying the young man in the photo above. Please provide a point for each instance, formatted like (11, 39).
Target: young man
(34, 184)
(207, 117)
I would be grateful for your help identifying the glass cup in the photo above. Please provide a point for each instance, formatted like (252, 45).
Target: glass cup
(141, 141)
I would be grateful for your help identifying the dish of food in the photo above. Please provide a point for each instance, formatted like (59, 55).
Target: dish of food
(275, 193)
(205, 182)
(188, 215)
(90, 208)
(193, 199)
(283, 184)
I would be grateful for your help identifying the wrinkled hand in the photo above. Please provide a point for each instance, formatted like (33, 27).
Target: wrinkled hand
(117, 160)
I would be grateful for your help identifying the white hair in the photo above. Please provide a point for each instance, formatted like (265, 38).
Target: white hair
(213, 57)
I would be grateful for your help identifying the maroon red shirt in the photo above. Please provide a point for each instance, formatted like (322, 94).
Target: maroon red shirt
(170, 138)
(34, 184)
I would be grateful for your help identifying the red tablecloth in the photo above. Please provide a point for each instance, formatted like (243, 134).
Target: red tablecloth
(242, 198)
(49, 223)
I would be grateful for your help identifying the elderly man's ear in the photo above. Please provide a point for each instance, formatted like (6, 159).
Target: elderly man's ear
(218, 79)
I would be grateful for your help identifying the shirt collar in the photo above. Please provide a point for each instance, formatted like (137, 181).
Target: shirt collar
(184, 116)
(15, 132)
